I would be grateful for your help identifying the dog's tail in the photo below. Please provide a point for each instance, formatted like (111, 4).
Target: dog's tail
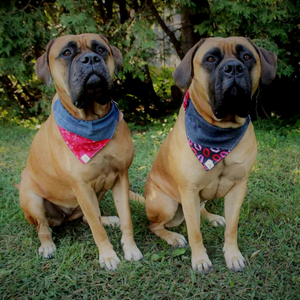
(17, 186)
(135, 197)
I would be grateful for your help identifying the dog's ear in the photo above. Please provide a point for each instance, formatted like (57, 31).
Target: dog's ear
(42, 65)
(268, 64)
(118, 58)
(184, 73)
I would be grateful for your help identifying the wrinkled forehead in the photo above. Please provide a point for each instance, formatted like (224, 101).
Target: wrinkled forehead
(225, 46)
(81, 41)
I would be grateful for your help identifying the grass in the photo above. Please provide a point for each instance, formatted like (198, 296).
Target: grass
(269, 235)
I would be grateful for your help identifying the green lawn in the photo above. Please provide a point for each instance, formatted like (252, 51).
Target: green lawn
(269, 233)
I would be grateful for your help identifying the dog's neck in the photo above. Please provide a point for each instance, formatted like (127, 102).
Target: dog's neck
(201, 104)
(92, 111)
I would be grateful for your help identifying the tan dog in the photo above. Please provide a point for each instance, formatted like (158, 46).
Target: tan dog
(222, 76)
(57, 187)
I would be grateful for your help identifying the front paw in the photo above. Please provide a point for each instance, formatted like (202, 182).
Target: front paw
(47, 249)
(132, 253)
(234, 260)
(201, 263)
(109, 261)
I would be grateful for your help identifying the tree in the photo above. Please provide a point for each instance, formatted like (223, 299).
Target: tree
(26, 26)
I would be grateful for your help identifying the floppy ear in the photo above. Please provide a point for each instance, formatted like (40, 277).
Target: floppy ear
(268, 64)
(184, 74)
(118, 59)
(42, 66)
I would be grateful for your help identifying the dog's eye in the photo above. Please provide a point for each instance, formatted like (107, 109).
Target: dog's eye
(210, 59)
(246, 57)
(67, 53)
(101, 50)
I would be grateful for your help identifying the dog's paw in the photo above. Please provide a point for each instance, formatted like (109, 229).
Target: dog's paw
(110, 221)
(132, 252)
(175, 239)
(235, 260)
(109, 261)
(202, 264)
(47, 249)
(216, 220)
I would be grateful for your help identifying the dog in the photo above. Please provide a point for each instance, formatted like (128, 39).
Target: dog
(212, 147)
(66, 175)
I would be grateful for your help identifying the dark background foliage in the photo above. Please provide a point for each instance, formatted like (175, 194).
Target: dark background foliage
(144, 91)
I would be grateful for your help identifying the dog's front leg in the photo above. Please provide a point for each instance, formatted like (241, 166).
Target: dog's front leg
(191, 208)
(233, 201)
(120, 192)
(88, 202)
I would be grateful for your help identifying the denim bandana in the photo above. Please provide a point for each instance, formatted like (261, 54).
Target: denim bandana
(209, 143)
(85, 138)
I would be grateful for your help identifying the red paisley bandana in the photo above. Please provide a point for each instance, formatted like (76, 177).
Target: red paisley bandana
(83, 148)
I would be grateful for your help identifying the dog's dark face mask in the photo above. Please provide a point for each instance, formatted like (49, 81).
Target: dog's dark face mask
(89, 78)
(226, 72)
(230, 85)
(82, 66)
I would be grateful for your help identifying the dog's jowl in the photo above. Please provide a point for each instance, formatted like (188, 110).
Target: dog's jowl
(83, 149)
(212, 148)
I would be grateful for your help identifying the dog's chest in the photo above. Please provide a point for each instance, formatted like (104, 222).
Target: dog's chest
(103, 173)
(222, 182)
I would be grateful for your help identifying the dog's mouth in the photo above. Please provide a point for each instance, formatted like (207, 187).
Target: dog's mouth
(93, 81)
(231, 96)
(95, 87)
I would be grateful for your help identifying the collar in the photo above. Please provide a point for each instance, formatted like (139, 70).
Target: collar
(96, 130)
(210, 143)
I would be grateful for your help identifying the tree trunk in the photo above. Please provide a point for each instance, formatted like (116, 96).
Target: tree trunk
(169, 33)
(109, 9)
(189, 19)
(124, 15)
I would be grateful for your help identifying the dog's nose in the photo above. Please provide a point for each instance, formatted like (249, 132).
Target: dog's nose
(233, 67)
(90, 58)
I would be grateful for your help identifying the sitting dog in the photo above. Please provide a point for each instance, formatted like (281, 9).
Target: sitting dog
(212, 148)
(82, 150)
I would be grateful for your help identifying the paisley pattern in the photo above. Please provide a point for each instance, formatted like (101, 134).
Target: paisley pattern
(208, 157)
(83, 148)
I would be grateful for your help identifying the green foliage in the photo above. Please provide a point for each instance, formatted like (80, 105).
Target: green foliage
(137, 41)
(270, 24)
(26, 28)
(162, 82)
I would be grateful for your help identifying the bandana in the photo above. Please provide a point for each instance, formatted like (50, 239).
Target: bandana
(85, 138)
(209, 143)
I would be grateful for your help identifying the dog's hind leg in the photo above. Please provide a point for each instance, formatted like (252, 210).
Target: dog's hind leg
(35, 212)
(214, 220)
(163, 211)
(178, 218)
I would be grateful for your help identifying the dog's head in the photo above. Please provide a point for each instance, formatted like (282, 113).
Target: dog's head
(81, 66)
(227, 72)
